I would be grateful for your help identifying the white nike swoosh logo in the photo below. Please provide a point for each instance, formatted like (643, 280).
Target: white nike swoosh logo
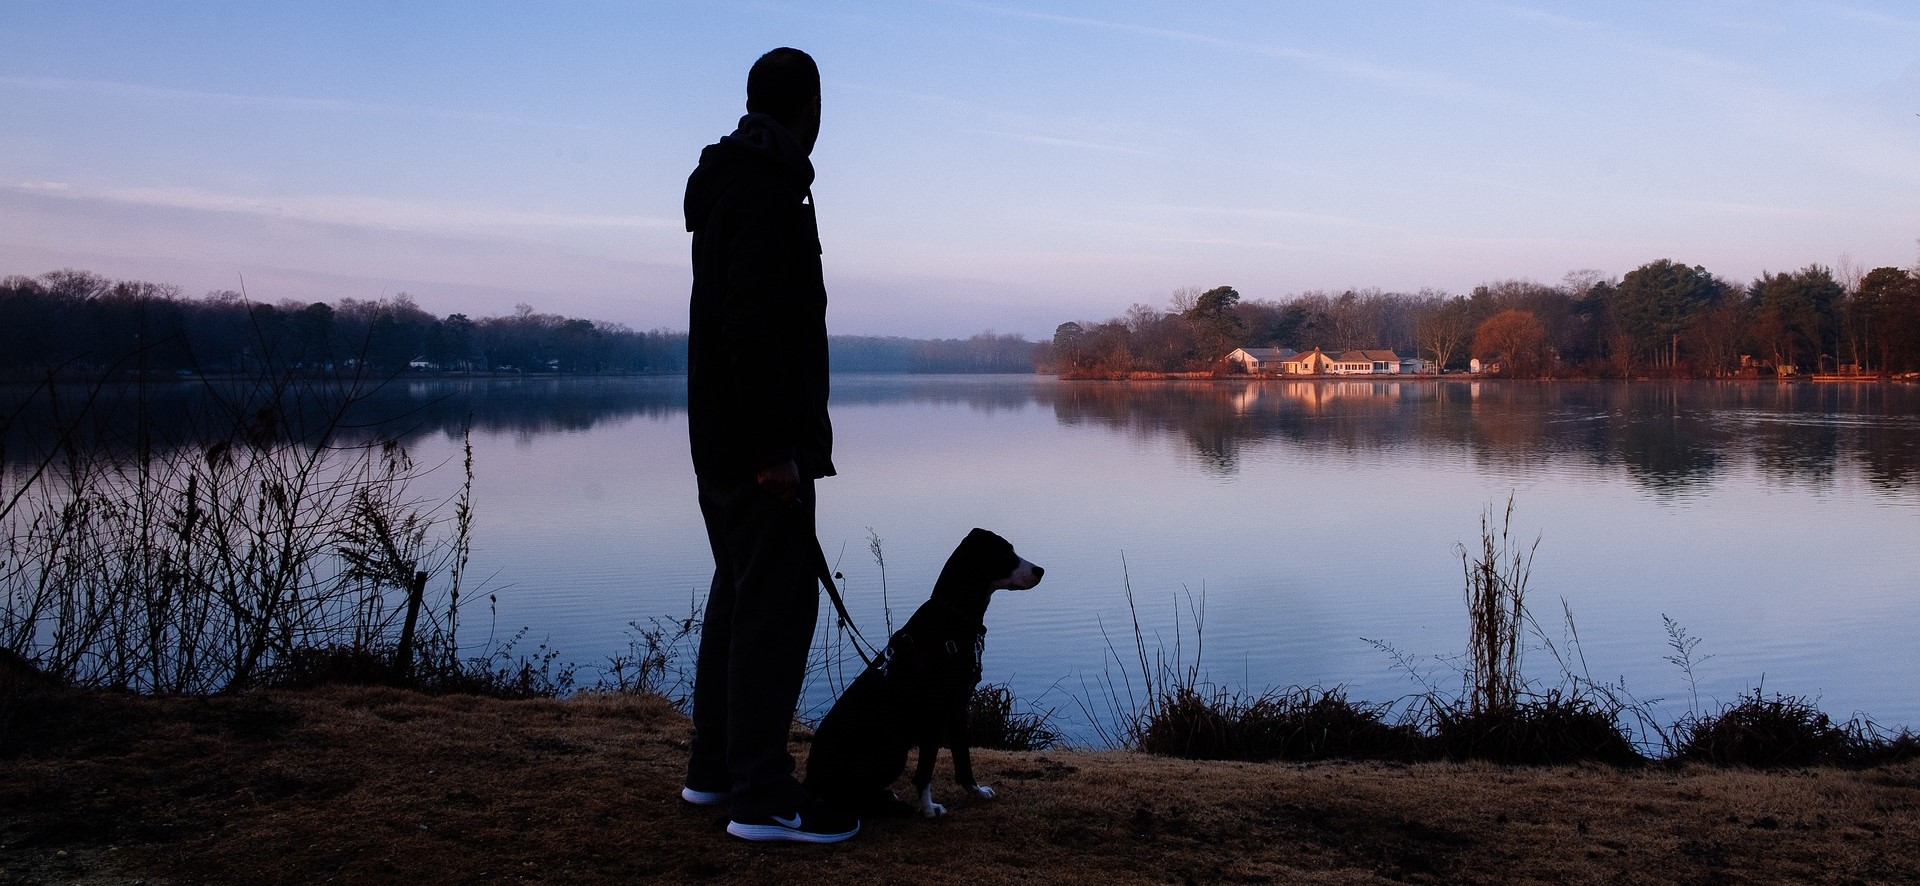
(793, 822)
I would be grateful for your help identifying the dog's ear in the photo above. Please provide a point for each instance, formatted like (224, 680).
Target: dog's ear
(978, 536)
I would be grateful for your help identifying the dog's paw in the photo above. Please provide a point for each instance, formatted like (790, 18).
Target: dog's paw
(981, 791)
(928, 808)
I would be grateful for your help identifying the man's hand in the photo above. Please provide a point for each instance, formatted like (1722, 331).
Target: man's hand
(782, 480)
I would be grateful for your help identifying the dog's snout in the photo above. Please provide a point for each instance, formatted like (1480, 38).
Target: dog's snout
(1038, 572)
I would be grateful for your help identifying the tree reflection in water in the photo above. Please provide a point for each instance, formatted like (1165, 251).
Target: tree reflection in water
(1668, 437)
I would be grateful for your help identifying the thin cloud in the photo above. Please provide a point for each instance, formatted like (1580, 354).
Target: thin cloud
(288, 103)
(1400, 78)
(1269, 245)
(1064, 142)
(353, 211)
(1283, 215)
(1758, 210)
(1554, 18)
(1627, 40)
(1873, 17)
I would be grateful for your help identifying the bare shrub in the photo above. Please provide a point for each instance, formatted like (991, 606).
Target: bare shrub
(994, 721)
(271, 542)
(1763, 732)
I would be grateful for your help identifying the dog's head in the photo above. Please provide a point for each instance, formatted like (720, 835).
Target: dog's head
(985, 562)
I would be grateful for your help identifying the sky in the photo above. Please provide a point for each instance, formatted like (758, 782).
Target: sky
(982, 166)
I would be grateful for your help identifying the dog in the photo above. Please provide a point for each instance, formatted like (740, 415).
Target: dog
(916, 693)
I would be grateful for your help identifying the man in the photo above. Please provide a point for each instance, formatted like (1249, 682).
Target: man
(757, 419)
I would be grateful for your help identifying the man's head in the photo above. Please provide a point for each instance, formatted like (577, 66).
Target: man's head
(785, 85)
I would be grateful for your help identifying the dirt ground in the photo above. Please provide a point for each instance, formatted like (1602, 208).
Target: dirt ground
(371, 785)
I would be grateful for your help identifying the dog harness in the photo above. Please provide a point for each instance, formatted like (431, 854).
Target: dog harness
(949, 648)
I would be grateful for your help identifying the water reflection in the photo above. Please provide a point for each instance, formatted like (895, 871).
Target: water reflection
(1669, 438)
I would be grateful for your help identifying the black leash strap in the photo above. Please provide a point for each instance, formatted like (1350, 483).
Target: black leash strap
(840, 605)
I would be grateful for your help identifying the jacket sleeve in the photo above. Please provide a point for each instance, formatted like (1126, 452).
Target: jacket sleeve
(762, 321)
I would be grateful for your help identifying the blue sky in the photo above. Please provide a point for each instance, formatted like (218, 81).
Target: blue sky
(982, 165)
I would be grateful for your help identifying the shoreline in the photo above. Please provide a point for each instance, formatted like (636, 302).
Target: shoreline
(384, 785)
(1464, 376)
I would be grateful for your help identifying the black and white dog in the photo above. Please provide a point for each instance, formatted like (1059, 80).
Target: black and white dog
(917, 692)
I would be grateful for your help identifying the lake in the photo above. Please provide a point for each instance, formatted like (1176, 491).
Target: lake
(1302, 519)
(1777, 522)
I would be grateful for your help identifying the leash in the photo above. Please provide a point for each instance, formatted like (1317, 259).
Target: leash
(827, 576)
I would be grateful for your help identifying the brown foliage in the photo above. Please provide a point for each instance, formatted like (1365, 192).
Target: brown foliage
(1514, 339)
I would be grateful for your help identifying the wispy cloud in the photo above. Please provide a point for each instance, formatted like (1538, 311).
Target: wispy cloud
(1627, 40)
(1554, 18)
(1756, 210)
(279, 102)
(1407, 79)
(1065, 142)
(1269, 245)
(1279, 215)
(372, 212)
(1874, 17)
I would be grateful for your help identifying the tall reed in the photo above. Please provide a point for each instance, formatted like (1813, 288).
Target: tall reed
(1496, 589)
(198, 565)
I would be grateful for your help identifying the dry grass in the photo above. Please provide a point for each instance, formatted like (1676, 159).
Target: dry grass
(363, 784)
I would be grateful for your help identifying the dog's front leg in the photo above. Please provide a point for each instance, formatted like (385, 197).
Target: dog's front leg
(923, 780)
(960, 740)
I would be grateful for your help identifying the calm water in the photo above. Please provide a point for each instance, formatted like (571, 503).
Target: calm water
(1776, 522)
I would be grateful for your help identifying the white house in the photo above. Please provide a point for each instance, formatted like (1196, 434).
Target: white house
(1257, 361)
(1361, 361)
(1366, 362)
(1312, 362)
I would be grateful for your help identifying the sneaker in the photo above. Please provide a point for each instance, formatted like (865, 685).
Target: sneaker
(703, 798)
(814, 822)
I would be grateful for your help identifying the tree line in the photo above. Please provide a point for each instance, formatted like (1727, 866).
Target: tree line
(1662, 318)
(89, 323)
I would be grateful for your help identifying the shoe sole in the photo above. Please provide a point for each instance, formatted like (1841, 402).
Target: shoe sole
(771, 833)
(703, 798)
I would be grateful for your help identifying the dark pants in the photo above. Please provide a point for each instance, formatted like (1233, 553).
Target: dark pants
(759, 625)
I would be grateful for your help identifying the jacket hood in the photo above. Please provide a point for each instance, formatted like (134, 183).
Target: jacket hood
(760, 144)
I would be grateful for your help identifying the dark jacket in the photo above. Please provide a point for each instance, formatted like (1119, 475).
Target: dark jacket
(757, 355)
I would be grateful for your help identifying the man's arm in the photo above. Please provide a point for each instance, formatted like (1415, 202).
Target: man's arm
(761, 322)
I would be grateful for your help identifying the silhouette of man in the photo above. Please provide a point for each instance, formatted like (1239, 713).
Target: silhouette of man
(757, 421)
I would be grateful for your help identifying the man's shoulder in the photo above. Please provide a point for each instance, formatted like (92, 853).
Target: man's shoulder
(726, 183)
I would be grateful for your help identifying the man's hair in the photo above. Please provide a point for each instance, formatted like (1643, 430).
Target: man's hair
(783, 84)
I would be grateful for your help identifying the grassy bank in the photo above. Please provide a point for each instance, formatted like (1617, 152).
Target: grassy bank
(384, 785)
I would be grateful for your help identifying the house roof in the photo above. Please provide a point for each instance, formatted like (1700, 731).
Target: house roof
(1370, 355)
(1268, 353)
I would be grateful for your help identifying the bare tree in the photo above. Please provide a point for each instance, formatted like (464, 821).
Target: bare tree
(1716, 334)
(1185, 298)
(1853, 329)
(1579, 282)
(1442, 325)
(1140, 317)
